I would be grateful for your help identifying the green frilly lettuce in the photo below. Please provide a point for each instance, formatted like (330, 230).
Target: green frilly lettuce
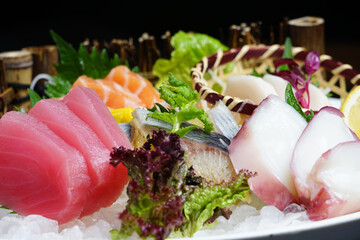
(189, 49)
(209, 201)
(182, 100)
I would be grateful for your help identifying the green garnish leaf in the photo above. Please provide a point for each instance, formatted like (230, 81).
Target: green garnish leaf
(189, 49)
(210, 201)
(217, 87)
(316, 84)
(256, 73)
(60, 87)
(288, 49)
(17, 108)
(76, 63)
(34, 96)
(182, 100)
(292, 101)
(286, 54)
(69, 67)
(12, 212)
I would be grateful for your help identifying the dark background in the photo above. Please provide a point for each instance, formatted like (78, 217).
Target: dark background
(28, 24)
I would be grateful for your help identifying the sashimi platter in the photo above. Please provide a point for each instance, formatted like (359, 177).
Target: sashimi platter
(229, 143)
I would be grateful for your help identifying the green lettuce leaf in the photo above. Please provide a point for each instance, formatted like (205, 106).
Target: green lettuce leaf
(189, 49)
(166, 197)
(209, 201)
(182, 100)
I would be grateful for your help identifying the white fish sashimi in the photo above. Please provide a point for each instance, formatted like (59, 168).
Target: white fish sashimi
(248, 87)
(265, 145)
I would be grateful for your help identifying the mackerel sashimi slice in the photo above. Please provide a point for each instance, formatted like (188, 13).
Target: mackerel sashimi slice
(107, 183)
(39, 172)
(89, 107)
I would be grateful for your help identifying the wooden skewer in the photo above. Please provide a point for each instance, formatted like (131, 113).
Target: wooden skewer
(166, 42)
(234, 36)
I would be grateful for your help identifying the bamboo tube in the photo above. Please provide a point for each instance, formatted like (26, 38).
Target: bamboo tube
(44, 58)
(18, 74)
(308, 32)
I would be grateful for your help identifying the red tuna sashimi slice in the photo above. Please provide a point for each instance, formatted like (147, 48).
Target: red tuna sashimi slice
(89, 107)
(107, 181)
(39, 172)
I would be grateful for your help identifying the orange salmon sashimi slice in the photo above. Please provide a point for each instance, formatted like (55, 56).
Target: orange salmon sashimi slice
(136, 83)
(112, 94)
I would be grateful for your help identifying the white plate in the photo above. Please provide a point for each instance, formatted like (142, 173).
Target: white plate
(345, 227)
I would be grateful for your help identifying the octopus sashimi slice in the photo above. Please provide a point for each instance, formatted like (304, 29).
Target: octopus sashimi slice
(40, 173)
(334, 182)
(325, 130)
(265, 145)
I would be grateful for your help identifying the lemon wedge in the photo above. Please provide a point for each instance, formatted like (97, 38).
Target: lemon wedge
(351, 110)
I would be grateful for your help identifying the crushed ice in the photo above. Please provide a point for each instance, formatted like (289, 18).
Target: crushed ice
(244, 218)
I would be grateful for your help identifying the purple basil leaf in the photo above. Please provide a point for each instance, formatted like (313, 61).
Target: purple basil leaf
(312, 62)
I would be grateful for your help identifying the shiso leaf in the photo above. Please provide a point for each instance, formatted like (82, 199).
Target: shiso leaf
(69, 67)
(76, 63)
(60, 87)
(34, 96)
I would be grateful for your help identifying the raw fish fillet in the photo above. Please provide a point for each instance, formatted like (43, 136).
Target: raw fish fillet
(112, 93)
(39, 172)
(249, 87)
(325, 130)
(89, 107)
(135, 83)
(264, 145)
(107, 181)
(334, 182)
(210, 162)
